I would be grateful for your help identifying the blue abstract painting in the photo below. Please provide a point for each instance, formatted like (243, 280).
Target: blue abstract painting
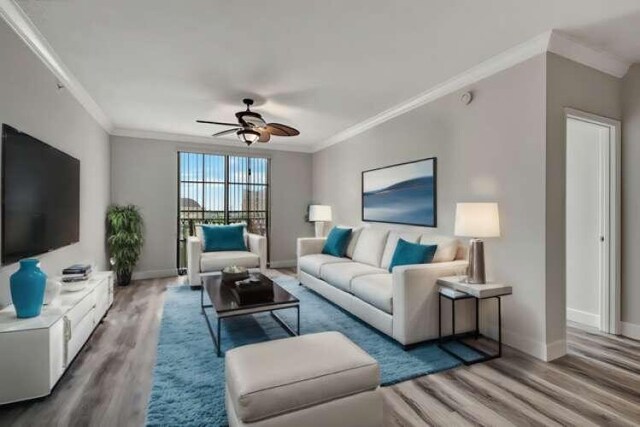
(401, 194)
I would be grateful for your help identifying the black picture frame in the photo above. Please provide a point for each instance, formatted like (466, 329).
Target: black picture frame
(434, 160)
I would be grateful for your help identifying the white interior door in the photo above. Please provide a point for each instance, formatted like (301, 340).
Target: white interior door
(587, 219)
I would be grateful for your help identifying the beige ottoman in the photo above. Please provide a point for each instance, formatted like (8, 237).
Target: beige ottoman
(312, 380)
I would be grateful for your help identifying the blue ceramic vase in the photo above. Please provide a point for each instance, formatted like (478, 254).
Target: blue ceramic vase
(27, 288)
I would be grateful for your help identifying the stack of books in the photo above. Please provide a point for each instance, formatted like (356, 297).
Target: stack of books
(76, 273)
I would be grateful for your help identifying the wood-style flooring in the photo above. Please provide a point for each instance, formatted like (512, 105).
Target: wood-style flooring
(597, 383)
(109, 382)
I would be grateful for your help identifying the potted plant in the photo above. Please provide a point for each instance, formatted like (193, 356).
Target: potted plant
(124, 239)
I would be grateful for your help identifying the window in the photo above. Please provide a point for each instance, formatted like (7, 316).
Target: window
(221, 189)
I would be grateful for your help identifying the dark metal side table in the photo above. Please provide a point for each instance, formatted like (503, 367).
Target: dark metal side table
(455, 289)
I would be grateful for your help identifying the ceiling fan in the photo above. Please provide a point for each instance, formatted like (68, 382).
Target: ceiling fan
(251, 127)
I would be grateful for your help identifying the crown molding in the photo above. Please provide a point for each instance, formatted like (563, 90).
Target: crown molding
(500, 62)
(18, 20)
(550, 41)
(563, 45)
(207, 140)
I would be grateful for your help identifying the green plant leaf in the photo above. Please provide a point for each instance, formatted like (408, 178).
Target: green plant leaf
(125, 236)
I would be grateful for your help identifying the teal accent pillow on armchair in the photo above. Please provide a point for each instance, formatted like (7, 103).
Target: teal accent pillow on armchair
(223, 238)
(337, 242)
(408, 253)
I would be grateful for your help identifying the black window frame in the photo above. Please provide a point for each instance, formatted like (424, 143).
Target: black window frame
(186, 226)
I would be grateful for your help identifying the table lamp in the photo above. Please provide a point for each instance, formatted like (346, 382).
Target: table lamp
(320, 214)
(477, 220)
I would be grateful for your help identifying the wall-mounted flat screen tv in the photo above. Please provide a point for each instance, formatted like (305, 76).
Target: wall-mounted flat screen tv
(40, 197)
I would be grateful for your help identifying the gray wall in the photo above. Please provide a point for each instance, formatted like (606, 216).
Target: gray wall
(569, 84)
(30, 102)
(144, 172)
(631, 197)
(490, 150)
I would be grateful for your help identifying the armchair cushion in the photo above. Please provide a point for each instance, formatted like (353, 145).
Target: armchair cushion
(223, 238)
(216, 261)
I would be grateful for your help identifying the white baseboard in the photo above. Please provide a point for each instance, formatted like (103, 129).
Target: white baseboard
(555, 350)
(524, 344)
(154, 274)
(283, 264)
(583, 317)
(538, 349)
(630, 330)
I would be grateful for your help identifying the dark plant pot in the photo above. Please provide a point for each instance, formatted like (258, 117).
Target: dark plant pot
(124, 278)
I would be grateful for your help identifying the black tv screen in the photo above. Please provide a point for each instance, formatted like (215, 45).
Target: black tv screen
(40, 197)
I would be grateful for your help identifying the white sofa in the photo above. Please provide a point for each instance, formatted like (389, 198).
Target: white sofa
(200, 262)
(404, 303)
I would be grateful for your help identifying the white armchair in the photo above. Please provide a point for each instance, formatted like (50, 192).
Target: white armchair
(199, 262)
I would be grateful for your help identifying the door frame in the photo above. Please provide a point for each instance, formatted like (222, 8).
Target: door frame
(611, 234)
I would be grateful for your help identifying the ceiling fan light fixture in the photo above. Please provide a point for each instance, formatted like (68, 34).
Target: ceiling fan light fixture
(248, 136)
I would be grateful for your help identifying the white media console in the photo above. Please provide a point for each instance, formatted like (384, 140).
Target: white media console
(34, 353)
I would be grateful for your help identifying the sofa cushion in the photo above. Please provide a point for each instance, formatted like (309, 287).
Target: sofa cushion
(340, 275)
(407, 253)
(275, 377)
(216, 261)
(376, 289)
(370, 246)
(311, 264)
(392, 242)
(337, 241)
(355, 234)
(447, 247)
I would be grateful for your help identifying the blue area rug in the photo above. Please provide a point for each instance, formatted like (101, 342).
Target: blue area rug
(188, 382)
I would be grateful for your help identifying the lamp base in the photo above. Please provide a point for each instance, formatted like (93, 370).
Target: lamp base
(319, 229)
(475, 271)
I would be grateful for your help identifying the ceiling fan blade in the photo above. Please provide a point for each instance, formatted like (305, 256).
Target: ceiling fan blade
(226, 132)
(217, 123)
(265, 136)
(278, 129)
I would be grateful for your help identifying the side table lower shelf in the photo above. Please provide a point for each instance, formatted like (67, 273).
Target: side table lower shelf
(454, 290)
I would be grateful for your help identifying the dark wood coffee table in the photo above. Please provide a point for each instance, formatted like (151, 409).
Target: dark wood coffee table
(225, 305)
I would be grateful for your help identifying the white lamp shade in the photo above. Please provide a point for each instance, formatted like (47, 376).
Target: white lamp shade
(477, 220)
(320, 213)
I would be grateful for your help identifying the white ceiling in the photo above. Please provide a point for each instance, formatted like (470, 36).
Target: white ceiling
(321, 66)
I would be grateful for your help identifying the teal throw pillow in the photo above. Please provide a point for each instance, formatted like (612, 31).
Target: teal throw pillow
(408, 253)
(337, 242)
(223, 238)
